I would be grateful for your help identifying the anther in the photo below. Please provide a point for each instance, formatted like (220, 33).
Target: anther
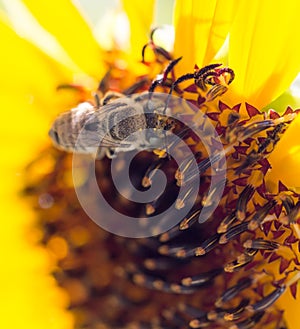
(208, 245)
(233, 232)
(201, 279)
(235, 313)
(187, 222)
(248, 323)
(261, 244)
(266, 301)
(233, 291)
(242, 202)
(242, 261)
(226, 223)
(260, 215)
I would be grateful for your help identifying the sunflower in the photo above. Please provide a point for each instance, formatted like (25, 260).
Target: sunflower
(61, 270)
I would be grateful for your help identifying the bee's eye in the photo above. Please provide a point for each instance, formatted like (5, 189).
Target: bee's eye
(93, 126)
(54, 136)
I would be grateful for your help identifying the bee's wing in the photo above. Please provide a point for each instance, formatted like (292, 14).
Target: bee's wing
(103, 115)
(107, 141)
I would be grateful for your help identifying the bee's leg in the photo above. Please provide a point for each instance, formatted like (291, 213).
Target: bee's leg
(105, 151)
(110, 96)
(72, 86)
(110, 153)
(97, 100)
(136, 87)
(101, 152)
(184, 77)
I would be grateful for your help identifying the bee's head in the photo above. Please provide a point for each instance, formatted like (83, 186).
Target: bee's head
(66, 128)
(60, 131)
(54, 135)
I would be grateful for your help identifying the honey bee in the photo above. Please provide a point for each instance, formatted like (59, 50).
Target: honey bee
(110, 128)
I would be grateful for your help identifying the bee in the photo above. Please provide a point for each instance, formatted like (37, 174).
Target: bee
(111, 127)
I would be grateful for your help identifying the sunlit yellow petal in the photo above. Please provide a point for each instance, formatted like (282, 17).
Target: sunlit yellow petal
(201, 28)
(23, 23)
(291, 310)
(140, 15)
(61, 20)
(30, 296)
(263, 35)
(28, 77)
(285, 159)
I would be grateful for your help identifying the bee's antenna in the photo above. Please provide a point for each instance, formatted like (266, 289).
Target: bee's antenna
(97, 100)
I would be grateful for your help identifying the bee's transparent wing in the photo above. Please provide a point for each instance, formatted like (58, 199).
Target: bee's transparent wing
(97, 127)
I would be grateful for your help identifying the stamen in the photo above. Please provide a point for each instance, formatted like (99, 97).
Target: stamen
(173, 318)
(208, 245)
(292, 216)
(187, 251)
(177, 251)
(226, 223)
(203, 166)
(233, 232)
(266, 301)
(162, 263)
(190, 220)
(201, 279)
(181, 203)
(235, 313)
(233, 291)
(229, 314)
(294, 279)
(151, 171)
(215, 92)
(248, 323)
(243, 201)
(201, 76)
(150, 209)
(209, 199)
(260, 215)
(201, 322)
(191, 311)
(240, 133)
(180, 172)
(288, 203)
(169, 235)
(261, 244)
(151, 282)
(240, 262)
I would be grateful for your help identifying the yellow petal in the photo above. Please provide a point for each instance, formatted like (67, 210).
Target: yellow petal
(291, 309)
(264, 49)
(201, 28)
(60, 24)
(140, 15)
(30, 296)
(28, 100)
(285, 159)
(28, 74)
